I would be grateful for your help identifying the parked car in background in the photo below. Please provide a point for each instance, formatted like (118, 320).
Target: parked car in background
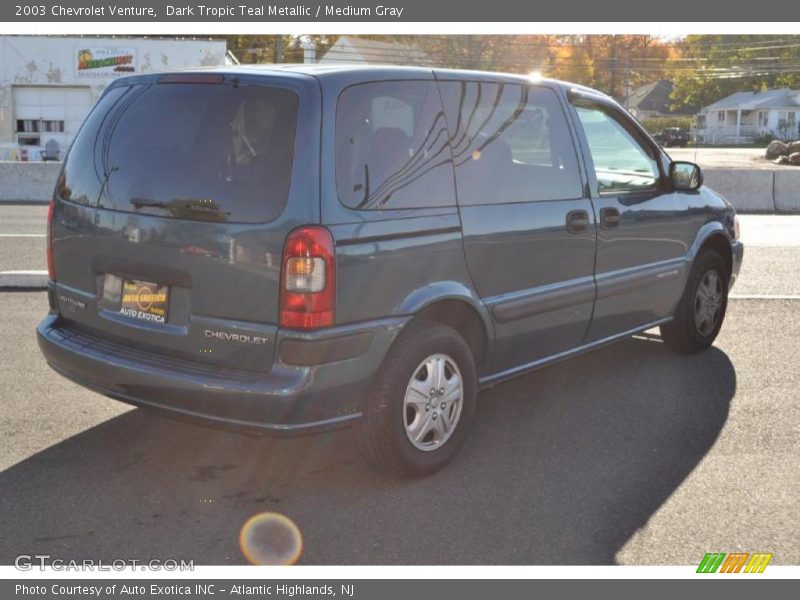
(305, 247)
(672, 136)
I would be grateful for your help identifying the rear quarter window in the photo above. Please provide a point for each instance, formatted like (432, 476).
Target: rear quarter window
(192, 151)
(392, 149)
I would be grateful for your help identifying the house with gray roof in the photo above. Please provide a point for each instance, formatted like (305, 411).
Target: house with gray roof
(744, 117)
(653, 100)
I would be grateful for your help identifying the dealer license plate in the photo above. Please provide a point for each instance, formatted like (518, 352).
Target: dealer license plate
(144, 300)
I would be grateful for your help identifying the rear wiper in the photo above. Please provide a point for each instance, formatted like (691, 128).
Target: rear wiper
(183, 206)
(139, 202)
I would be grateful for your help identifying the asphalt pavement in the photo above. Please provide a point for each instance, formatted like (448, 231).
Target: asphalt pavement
(22, 237)
(629, 455)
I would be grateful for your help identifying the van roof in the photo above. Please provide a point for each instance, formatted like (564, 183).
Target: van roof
(323, 71)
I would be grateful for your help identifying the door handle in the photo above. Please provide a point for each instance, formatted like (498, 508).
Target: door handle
(577, 221)
(609, 218)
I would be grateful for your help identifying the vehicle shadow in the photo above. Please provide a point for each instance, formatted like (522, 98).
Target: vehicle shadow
(562, 466)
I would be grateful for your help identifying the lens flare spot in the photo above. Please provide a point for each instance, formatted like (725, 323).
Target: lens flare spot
(271, 539)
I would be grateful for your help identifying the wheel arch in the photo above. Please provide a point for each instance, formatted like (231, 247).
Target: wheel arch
(455, 305)
(714, 236)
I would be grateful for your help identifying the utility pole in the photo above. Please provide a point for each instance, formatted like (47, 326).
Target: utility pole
(627, 85)
(279, 49)
(309, 49)
(612, 60)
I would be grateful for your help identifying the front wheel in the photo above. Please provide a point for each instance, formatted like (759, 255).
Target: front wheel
(701, 310)
(423, 402)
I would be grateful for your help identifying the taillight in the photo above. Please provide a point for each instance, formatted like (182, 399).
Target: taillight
(308, 279)
(51, 269)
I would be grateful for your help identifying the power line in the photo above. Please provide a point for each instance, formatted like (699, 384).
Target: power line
(412, 52)
(509, 41)
(742, 59)
(607, 64)
(604, 63)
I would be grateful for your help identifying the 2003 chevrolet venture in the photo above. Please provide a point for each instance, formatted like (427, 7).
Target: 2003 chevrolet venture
(306, 247)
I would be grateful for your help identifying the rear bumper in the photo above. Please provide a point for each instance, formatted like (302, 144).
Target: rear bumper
(287, 399)
(737, 251)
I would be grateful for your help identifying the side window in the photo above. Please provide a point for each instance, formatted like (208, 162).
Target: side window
(620, 162)
(510, 142)
(391, 147)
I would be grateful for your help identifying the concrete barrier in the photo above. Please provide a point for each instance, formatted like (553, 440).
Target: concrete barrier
(787, 191)
(29, 280)
(748, 190)
(27, 182)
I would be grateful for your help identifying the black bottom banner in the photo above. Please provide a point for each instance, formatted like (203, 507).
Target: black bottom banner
(383, 589)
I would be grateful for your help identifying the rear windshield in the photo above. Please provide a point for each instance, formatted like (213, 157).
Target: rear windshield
(186, 150)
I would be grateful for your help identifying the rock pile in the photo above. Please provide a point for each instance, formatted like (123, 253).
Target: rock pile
(783, 153)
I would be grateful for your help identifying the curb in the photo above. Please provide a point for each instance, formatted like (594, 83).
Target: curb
(36, 202)
(23, 280)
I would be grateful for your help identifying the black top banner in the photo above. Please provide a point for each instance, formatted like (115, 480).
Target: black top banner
(393, 11)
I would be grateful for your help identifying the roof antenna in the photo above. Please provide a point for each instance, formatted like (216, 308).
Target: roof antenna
(696, 128)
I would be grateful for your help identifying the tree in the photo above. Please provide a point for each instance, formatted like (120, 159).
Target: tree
(710, 67)
(511, 53)
(611, 63)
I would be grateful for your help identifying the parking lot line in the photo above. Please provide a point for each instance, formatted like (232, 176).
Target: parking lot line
(764, 296)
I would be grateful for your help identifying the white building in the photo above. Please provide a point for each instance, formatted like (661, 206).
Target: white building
(746, 116)
(355, 50)
(49, 83)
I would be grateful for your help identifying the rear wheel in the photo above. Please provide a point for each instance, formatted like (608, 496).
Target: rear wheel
(423, 401)
(701, 309)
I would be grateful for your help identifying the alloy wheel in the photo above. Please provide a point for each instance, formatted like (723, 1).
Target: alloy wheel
(433, 402)
(708, 303)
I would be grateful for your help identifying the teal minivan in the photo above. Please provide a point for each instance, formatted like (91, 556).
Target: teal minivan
(306, 247)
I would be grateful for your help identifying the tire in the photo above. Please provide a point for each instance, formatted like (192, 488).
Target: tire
(697, 322)
(390, 419)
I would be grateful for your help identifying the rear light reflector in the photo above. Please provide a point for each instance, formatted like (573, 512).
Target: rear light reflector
(308, 279)
(192, 78)
(51, 269)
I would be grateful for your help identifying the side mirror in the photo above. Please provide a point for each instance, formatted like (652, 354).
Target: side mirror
(685, 176)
